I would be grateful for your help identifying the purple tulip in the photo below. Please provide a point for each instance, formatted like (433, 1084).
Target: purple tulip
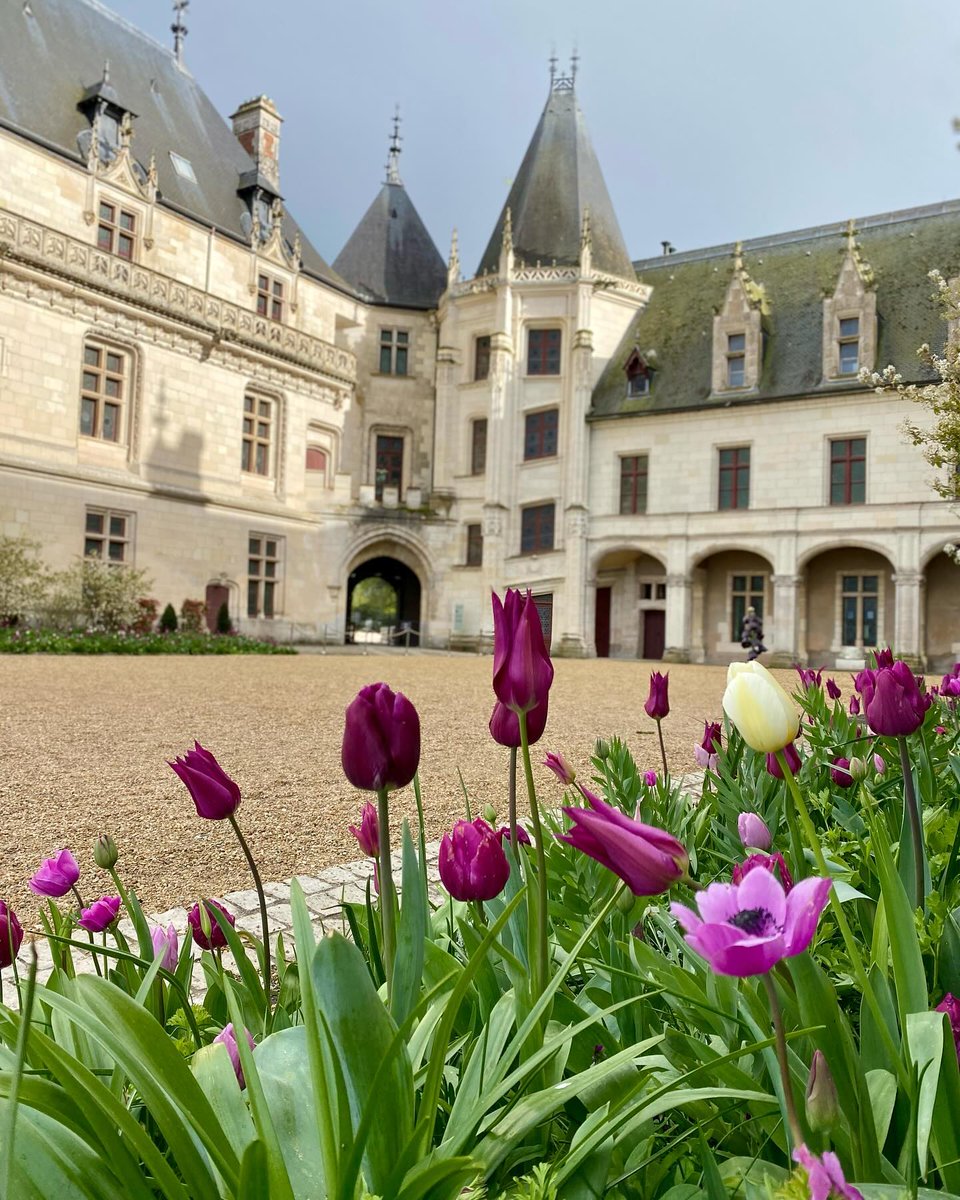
(472, 863)
(753, 831)
(950, 686)
(166, 944)
(767, 862)
(794, 762)
(809, 678)
(658, 702)
(650, 778)
(100, 915)
(854, 706)
(892, 700)
(879, 764)
(825, 1176)
(748, 928)
(217, 939)
(228, 1039)
(523, 838)
(11, 934)
(212, 790)
(840, 772)
(647, 859)
(951, 1006)
(561, 768)
(56, 876)
(833, 689)
(705, 752)
(522, 670)
(381, 739)
(505, 724)
(368, 832)
(883, 658)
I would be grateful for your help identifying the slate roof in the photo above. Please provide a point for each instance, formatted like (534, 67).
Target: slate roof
(52, 51)
(797, 271)
(390, 257)
(558, 178)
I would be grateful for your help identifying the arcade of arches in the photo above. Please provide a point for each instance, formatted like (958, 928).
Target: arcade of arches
(838, 604)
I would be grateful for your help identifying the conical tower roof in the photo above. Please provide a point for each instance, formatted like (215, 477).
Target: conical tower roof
(390, 258)
(558, 178)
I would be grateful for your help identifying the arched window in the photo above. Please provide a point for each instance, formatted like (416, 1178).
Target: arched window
(317, 459)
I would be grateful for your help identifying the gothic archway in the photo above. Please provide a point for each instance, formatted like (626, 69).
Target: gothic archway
(406, 585)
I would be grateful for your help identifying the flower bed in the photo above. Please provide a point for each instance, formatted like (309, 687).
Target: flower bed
(82, 641)
(624, 994)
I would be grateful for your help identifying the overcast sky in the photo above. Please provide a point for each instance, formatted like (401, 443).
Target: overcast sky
(713, 119)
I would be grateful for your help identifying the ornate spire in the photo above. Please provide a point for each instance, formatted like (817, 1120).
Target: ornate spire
(178, 29)
(453, 263)
(753, 291)
(852, 251)
(553, 67)
(393, 157)
(563, 83)
(586, 242)
(506, 244)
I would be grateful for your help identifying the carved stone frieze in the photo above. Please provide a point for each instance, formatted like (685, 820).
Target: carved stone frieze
(49, 250)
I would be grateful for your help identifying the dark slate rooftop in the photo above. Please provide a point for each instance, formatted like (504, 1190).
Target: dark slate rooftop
(558, 178)
(390, 257)
(52, 51)
(797, 271)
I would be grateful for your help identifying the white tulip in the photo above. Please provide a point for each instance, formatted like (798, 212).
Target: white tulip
(759, 707)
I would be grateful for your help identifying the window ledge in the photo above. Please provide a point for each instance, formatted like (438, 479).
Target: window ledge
(540, 458)
(558, 375)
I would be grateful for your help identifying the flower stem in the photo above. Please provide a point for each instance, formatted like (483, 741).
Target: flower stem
(916, 825)
(796, 840)
(258, 884)
(386, 888)
(540, 978)
(512, 796)
(93, 952)
(793, 1121)
(663, 750)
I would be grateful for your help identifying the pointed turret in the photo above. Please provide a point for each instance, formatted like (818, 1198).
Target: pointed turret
(390, 257)
(558, 179)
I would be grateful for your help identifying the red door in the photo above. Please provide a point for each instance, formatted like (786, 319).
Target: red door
(216, 595)
(654, 629)
(601, 623)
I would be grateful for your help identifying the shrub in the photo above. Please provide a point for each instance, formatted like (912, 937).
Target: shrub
(24, 579)
(224, 624)
(168, 621)
(191, 615)
(95, 595)
(146, 617)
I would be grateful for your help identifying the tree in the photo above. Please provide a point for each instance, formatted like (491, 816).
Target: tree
(373, 600)
(224, 624)
(24, 579)
(96, 595)
(168, 620)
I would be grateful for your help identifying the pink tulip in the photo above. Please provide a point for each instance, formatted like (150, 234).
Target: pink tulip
(214, 793)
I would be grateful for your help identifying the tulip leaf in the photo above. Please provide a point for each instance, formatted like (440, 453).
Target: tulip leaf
(411, 935)
(362, 1034)
(883, 1096)
(49, 1160)
(254, 1175)
(932, 1051)
(908, 971)
(213, 1070)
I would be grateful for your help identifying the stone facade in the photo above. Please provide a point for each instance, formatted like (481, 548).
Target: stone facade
(270, 423)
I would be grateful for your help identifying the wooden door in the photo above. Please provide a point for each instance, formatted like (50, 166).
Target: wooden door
(654, 630)
(601, 623)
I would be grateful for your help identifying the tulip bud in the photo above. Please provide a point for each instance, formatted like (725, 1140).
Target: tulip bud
(214, 793)
(857, 768)
(759, 707)
(650, 778)
(471, 861)
(11, 934)
(601, 750)
(522, 670)
(489, 813)
(105, 852)
(367, 832)
(560, 767)
(822, 1102)
(381, 739)
(879, 764)
(228, 1039)
(753, 831)
(840, 772)
(657, 705)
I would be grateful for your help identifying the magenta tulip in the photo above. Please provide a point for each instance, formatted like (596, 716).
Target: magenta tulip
(950, 686)
(883, 658)
(840, 772)
(228, 1039)
(11, 934)
(368, 832)
(214, 793)
(647, 859)
(809, 678)
(217, 939)
(166, 945)
(753, 831)
(825, 1176)
(561, 768)
(747, 928)
(381, 739)
(657, 705)
(650, 778)
(100, 915)
(892, 700)
(522, 670)
(705, 752)
(951, 1006)
(505, 724)
(472, 863)
(56, 876)
(764, 862)
(794, 762)
(854, 706)
(833, 689)
(523, 838)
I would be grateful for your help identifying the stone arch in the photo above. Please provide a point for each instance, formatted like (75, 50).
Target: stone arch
(849, 602)
(858, 543)
(630, 601)
(727, 578)
(402, 561)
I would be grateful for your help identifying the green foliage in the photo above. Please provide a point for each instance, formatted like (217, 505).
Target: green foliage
(224, 624)
(96, 595)
(374, 600)
(24, 579)
(192, 613)
(48, 641)
(168, 620)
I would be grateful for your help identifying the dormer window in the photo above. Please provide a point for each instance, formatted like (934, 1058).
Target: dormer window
(109, 120)
(738, 339)
(848, 346)
(736, 360)
(639, 375)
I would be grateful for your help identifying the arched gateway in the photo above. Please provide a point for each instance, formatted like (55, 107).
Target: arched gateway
(407, 591)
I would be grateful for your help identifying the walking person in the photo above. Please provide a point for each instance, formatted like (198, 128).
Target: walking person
(751, 634)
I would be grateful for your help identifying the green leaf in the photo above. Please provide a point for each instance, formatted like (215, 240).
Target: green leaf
(882, 1086)
(254, 1175)
(909, 976)
(932, 1051)
(213, 1070)
(925, 1051)
(411, 935)
(49, 1161)
(283, 1064)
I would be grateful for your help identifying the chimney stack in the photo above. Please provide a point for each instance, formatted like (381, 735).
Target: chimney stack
(256, 126)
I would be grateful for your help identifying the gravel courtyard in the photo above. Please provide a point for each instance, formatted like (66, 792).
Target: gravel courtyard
(83, 744)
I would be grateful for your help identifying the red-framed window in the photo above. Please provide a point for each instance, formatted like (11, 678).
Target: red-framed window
(848, 471)
(543, 351)
(633, 483)
(269, 297)
(389, 463)
(536, 528)
(734, 489)
(117, 230)
(540, 434)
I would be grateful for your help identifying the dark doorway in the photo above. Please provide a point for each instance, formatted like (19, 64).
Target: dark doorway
(601, 623)
(216, 595)
(406, 586)
(654, 629)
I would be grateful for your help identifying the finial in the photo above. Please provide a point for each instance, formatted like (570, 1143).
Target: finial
(126, 131)
(507, 239)
(553, 66)
(851, 234)
(574, 60)
(178, 29)
(738, 256)
(585, 234)
(393, 157)
(106, 72)
(563, 83)
(453, 263)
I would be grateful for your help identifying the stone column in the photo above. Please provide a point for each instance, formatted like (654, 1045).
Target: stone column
(781, 633)
(575, 639)
(677, 636)
(907, 616)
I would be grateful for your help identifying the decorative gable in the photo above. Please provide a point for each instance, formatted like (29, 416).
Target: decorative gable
(850, 317)
(738, 332)
(639, 370)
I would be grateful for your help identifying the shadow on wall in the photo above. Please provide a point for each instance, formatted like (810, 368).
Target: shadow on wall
(172, 456)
